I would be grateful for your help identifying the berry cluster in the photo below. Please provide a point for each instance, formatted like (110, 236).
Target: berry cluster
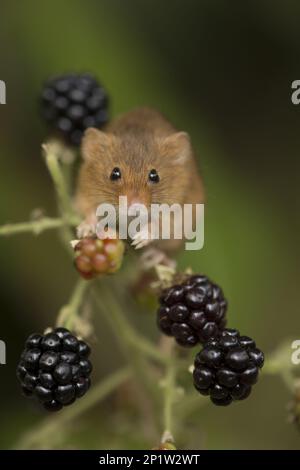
(193, 311)
(94, 256)
(228, 364)
(55, 368)
(72, 103)
(227, 367)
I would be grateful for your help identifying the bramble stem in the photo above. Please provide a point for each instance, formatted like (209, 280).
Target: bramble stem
(125, 336)
(190, 405)
(69, 312)
(51, 427)
(122, 329)
(63, 198)
(120, 323)
(146, 347)
(169, 388)
(56, 173)
(68, 216)
(135, 337)
(37, 226)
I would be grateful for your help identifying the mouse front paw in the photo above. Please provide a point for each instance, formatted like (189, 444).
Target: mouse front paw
(152, 257)
(141, 239)
(85, 230)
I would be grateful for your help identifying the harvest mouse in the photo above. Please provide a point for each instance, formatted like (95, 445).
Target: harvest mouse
(142, 156)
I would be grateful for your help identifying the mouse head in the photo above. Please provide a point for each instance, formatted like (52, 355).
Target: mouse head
(145, 168)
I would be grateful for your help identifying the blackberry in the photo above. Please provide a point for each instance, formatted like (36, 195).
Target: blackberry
(227, 367)
(193, 311)
(72, 103)
(94, 256)
(55, 369)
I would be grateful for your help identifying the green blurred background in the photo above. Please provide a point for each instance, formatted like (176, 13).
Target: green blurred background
(221, 71)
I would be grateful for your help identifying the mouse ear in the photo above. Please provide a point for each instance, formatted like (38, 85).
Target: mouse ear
(94, 143)
(177, 147)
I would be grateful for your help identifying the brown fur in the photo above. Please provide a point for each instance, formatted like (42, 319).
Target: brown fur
(136, 142)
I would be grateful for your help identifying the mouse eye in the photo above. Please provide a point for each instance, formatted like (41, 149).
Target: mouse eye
(115, 174)
(153, 176)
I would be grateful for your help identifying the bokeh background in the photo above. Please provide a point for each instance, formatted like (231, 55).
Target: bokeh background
(221, 71)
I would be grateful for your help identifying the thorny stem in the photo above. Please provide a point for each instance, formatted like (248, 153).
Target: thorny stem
(68, 216)
(169, 390)
(124, 334)
(63, 198)
(59, 183)
(192, 403)
(69, 312)
(145, 346)
(51, 427)
(133, 338)
(37, 226)
(136, 343)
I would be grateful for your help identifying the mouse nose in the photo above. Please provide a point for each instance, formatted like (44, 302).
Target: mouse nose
(134, 198)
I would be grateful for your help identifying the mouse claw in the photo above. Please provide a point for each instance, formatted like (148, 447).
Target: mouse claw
(141, 239)
(140, 244)
(85, 230)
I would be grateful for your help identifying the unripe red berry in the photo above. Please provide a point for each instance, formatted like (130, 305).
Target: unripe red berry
(94, 256)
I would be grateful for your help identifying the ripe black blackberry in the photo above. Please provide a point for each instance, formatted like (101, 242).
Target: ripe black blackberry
(193, 311)
(72, 103)
(55, 368)
(227, 367)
